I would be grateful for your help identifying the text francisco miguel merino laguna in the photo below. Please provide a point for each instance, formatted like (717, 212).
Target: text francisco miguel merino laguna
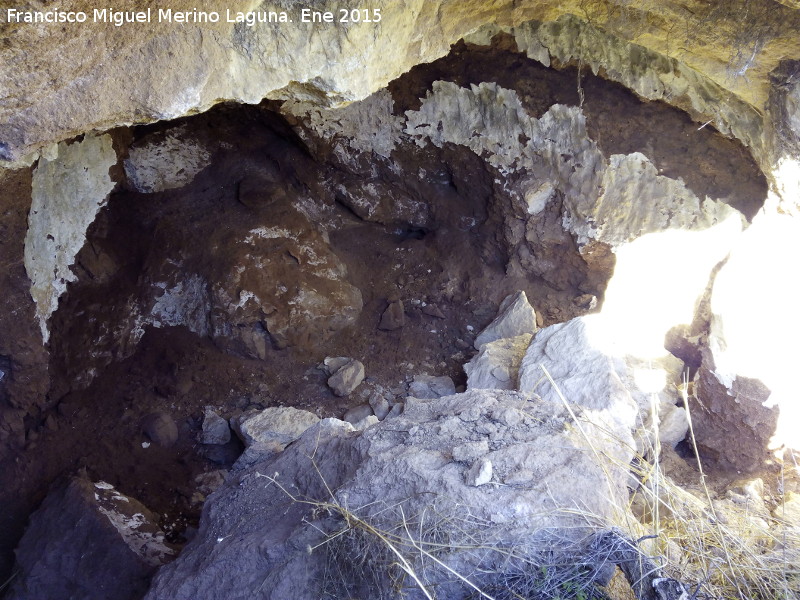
(168, 15)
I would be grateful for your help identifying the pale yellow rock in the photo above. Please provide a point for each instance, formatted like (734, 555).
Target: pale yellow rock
(60, 80)
(67, 192)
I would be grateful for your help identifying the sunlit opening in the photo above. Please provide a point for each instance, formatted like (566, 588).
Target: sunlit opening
(755, 303)
(657, 282)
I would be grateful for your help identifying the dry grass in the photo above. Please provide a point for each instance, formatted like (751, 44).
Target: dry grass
(724, 549)
(719, 551)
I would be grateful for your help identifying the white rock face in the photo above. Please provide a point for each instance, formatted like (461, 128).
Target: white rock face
(165, 162)
(497, 364)
(619, 214)
(67, 192)
(516, 317)
(610, 385)
(585, 376)
(601, 197)
(364, 126)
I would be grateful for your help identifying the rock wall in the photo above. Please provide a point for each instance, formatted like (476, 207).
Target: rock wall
(23, 360)
(714, 58)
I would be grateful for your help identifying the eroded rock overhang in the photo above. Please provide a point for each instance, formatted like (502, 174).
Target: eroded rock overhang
(712, 59)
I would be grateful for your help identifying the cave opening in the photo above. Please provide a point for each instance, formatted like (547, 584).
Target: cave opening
(244, 245)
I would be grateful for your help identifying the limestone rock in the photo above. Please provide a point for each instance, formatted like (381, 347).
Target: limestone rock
(365, 126)
(789, 510)
(67, 191)
(394, 317)
(331, 364)
(215, 428)
(588, 376)
(600, 194)
(674, 424)
(515, 317)
(402, 464)
(380, 405)
(165, 160)
(210, 62)
(497, 364)
(358, 413)
(647, 69)
(479, 473)
(366, 422)
(281, 425)
(429, 386)
(160, 427)
(347, 378)
(88, 541)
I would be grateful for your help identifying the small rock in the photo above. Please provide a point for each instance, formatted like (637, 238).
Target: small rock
(396, 411)
(788, 511)
(480, 473)
(215, 428)
(433, 311)
(347, 378)
(394, 317)
(210, 482)
(277, 424)
(515, 317)
(380, 405)
(461, 344)
(674, 424)
(332, 364)
(426, 387)
(497, 364)
(160, 428)
(359, 413)
(365, 422)
(585, 301)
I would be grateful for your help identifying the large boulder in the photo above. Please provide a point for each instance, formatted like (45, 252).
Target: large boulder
(280, 425)
(89, 542)
(492, 466)
(621, 388)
